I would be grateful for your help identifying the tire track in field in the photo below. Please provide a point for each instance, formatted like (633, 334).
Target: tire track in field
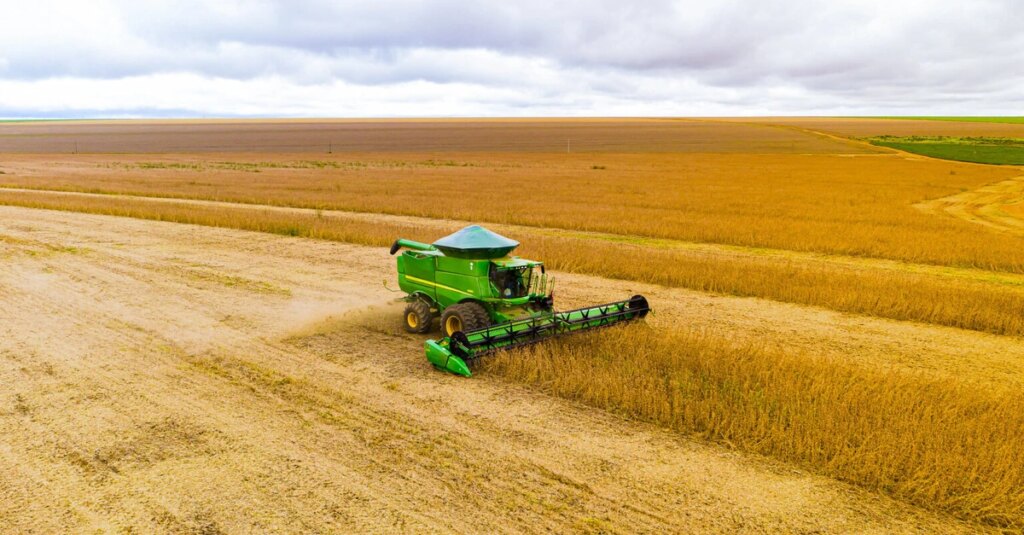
(986, 206)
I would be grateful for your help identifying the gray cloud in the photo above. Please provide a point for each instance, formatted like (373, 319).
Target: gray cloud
(657, 57)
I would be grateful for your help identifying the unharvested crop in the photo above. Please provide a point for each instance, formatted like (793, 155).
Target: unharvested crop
(860, 205)
(995, 305)
(388, 136)
(937, 443)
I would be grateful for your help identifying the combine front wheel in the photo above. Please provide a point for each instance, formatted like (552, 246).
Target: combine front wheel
(418, 318)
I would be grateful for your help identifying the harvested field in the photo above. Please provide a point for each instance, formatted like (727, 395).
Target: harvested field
(138, 410)
(836, 344)
(484, 135)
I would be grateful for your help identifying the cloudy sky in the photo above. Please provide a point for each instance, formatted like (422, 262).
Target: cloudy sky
(385, 58)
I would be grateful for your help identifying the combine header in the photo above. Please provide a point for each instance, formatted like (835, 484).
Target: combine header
(486, 299)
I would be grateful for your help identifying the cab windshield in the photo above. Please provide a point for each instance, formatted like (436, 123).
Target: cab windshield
(511, 282)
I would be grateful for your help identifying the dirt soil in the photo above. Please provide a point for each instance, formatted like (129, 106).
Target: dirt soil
(163, 377)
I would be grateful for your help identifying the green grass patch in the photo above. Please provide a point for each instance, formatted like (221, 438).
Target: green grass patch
(990, 150)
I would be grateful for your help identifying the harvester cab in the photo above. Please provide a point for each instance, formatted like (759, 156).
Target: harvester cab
(487, 300)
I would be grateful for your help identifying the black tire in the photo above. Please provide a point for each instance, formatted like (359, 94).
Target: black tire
(418, 318)
(464, 317)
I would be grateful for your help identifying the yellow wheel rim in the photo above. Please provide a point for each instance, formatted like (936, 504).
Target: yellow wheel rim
(412, 320)
(453, 324)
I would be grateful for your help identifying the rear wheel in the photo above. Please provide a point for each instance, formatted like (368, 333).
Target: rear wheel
(418, 318)
(464, 317)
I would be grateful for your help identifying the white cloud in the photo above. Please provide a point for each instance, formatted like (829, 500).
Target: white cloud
(462, 57)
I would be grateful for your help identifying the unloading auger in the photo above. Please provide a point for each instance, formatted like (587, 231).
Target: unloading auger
(486, 299)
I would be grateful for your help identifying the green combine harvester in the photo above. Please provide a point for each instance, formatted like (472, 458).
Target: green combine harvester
(486, 299)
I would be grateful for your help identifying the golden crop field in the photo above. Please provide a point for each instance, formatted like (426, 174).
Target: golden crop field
(826, 203)
(848, 310)
(936, 443)
(867, 127)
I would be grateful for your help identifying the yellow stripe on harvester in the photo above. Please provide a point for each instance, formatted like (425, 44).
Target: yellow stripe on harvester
(430, 283)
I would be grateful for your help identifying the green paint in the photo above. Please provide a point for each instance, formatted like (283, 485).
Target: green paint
(514, 293)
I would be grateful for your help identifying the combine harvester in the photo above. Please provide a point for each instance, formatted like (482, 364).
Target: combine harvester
(486, 299)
